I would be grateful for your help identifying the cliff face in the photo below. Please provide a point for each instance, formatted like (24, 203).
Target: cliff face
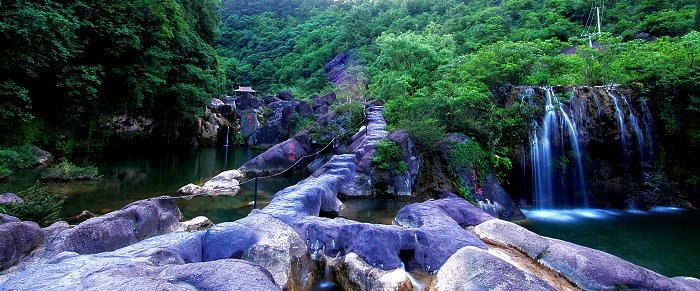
(587, 146)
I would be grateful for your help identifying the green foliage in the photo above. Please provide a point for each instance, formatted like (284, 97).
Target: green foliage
(300, 123)
(16, 158)
(69, 62)
(470, 156)
(40, 205)
(387, 155)
(463, 190)
(67, 171)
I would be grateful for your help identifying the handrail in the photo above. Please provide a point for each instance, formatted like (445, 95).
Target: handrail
(285, 170)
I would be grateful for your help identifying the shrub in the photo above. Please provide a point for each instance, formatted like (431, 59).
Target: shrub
(15, 159)
(386, 156)
(40, 205)
(67, 171)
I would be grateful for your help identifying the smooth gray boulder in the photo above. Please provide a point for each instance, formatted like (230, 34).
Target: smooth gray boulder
(137, 221)
(472, 268)
(280, 250)
(587, 268)
(17, 240)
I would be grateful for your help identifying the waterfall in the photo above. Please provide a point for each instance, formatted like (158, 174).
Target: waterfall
(578, 176)
(621, 123)
(637, 132)
(228, 128)
(541, 157)
(649, 134)
(550, 163)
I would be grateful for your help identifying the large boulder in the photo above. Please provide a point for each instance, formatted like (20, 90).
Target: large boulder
(585, 267)
(17, 240)
(305, 109)
(394, 182)
(472, 268)
(275, 160)
(169, 262)
(136, 221)
(249, 122)
(286, 95)
(495, 201)
(280, 250)
(247, 101)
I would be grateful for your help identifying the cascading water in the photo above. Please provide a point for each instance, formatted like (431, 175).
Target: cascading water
(621, 124)
(541, 157)
(649, 135)
(228, 128)
(554, 181)
(573, 138)
(637, 131)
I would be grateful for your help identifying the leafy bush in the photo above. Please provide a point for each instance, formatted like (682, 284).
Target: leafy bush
(40, 205)
(67, 171)
(386, 156)
(15, 159)
(463, 190)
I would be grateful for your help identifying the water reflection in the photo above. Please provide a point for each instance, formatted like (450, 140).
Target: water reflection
(130, 176)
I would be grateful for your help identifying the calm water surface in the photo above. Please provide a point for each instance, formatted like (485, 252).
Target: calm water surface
(130, 176)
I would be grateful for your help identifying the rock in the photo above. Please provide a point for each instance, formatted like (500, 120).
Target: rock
(587, 268)
(10, 198)
(247, 101)
(288, 114)
(82, 216)
(471, 268)
(363, 148)
(196, 190)
(352, 273)
(322, 110)
(42, 157)
(4, 218)
(275, 160)
(496, 201)
(286, 95)
(304, 109)
(249, 122)
(271, 99)
(399, 183)
(199, 223)
(269, 135)
(17, 240)
(280, 250)
(227, 240)
(329, 98)
(215, 103)
(137, 221)
(150, 265)
(224, 183)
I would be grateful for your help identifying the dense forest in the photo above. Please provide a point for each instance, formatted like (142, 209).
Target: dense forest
(68, 66)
